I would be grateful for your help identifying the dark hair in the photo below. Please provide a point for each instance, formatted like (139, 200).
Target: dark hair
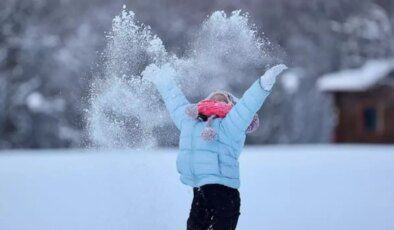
(202, 117)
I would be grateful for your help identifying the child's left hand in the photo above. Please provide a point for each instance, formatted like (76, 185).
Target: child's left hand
(268, 80)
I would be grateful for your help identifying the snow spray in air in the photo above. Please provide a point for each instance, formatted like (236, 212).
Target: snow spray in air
(124, 111)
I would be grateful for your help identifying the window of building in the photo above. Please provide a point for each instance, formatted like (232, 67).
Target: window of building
(370, 119)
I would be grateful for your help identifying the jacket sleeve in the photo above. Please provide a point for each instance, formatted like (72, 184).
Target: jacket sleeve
(241, 115)
(174, 99)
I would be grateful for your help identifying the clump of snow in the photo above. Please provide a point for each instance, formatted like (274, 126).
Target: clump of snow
(290, 81)
(372, 25)
(125, 110)
(36, 102)
(357, 79)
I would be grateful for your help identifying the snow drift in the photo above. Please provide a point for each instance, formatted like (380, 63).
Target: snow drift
(282, 188)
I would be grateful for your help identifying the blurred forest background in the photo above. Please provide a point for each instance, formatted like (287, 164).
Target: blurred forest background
(49, 50)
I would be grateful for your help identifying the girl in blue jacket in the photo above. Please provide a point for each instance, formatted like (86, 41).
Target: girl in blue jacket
(212, 136)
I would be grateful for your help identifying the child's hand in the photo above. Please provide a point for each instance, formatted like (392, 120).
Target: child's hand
(267, 81)
(153, 73)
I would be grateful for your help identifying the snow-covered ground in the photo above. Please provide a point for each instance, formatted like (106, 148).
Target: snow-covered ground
(283, 188)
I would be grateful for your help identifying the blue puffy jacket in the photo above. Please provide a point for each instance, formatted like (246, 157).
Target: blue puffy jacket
(201, 162)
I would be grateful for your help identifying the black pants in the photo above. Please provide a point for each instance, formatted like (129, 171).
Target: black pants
(214, 207)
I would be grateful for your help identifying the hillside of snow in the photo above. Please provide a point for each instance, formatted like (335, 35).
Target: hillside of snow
(322, 187)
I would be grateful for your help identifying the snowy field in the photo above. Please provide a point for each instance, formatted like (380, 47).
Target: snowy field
(283, 188)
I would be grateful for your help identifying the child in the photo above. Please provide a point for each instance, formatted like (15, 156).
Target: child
(212, 137)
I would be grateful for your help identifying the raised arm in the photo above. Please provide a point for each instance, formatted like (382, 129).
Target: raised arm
(175, 101)
(241, 115)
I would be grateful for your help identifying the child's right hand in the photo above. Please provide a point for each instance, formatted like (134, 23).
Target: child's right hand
(154, 73)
